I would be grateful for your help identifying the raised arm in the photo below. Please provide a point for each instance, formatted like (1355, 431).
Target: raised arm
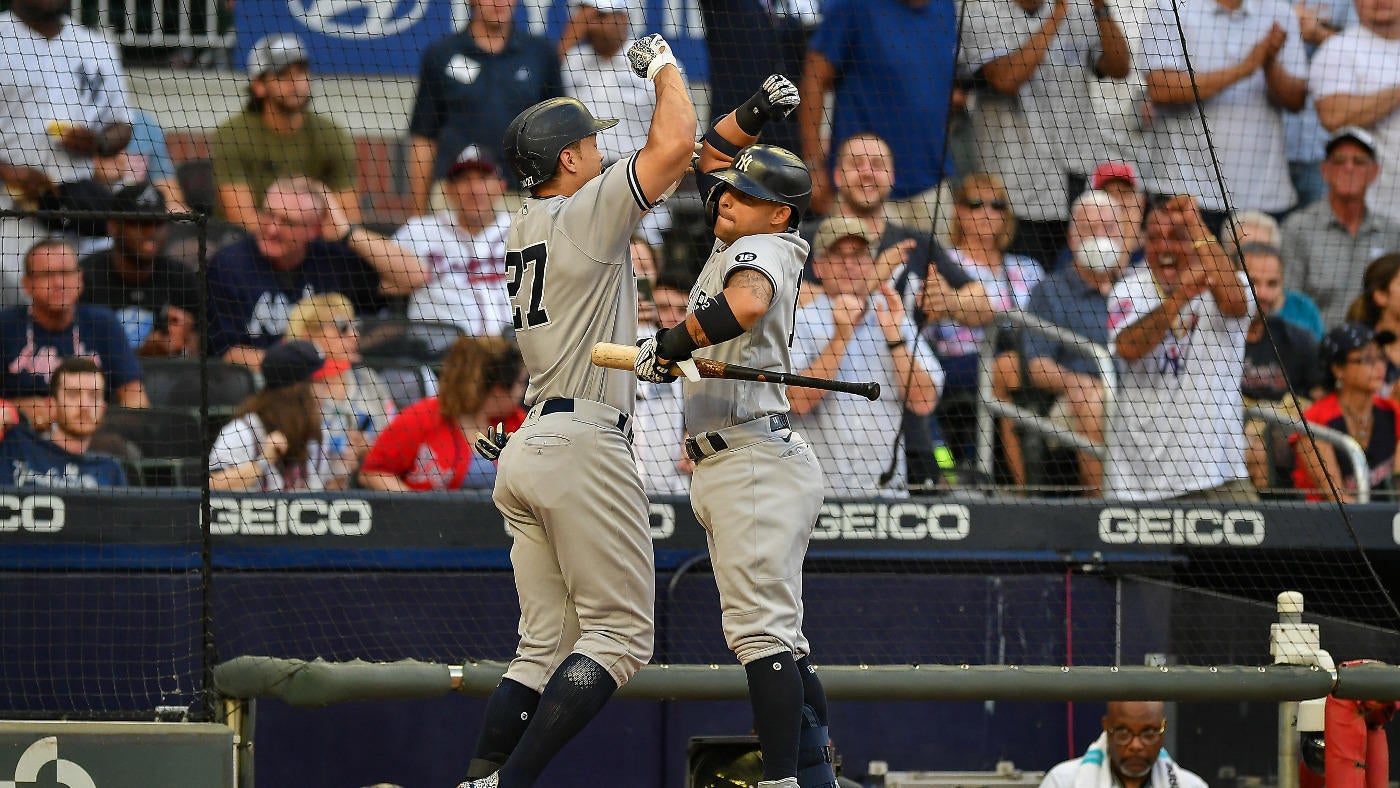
(671, 140)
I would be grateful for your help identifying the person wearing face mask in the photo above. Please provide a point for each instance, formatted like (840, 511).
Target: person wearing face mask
(1075, 298)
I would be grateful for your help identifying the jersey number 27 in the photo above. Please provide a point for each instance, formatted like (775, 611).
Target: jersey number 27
(534, 258)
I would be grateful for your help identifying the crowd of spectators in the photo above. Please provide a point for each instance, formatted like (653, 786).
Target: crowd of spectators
(1209, 193)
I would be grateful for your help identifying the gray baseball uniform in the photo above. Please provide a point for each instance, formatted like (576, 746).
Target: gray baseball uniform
(757, 486)
(568, 484)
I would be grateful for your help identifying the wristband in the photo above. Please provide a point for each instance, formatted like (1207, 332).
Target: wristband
(675, 343)
(719, 143)
(753, 114)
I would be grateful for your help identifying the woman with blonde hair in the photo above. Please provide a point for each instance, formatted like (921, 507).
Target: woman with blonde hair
(429, 445)
(984, 224)
(355, 401)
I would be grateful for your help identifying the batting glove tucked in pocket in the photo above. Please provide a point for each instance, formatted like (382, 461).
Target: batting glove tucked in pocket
(493, 442)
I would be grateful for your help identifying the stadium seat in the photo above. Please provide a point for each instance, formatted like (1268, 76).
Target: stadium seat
(172, 446)
(404, 342)
(174, 383)
(407, 383)
(196, 179)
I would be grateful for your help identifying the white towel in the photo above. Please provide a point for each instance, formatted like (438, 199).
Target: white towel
(1095, 771)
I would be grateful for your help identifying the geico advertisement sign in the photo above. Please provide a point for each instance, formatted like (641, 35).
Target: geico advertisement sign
(35, 514)
(897, 521)
(1121, 525)
(290, 516)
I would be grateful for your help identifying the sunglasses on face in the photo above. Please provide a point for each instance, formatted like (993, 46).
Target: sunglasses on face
(975, 203)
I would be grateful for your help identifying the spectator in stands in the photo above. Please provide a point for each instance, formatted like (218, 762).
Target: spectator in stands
(855, 327)
(35, 339)
(305, 244)
(658, 429)
(864, 176)
(278, 136)
(1075, 298)
(155, 298)
(1119, 180)
(984, 223)
(1355, 371)
(1329, 244)
(1281, 369)
(59, 456)
(63, 100)
(1378, 306)
(1132, 741)
(275, 443)
(1355, 78)
(750, 39)
(1247, 66)
(465, 249)
(471, 84)
(1244, 227)
(596, 71)
(1305, 137)
(890, 64)
(1032, 64)
(65, 454)
(429, 445)
(1178, 327)
(355, 401)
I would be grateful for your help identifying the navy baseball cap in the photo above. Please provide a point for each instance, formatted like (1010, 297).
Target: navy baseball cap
(291, 363)
(1349, 336)
(141, 197)
(473, 158)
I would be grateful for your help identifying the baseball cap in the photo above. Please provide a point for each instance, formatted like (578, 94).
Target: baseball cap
(275, 52)
(1354, 134)
(141, 197)
(1114, 171)
(1349, 336)
(838, 227)
(473, 157)
(291, 363)
(332, 367)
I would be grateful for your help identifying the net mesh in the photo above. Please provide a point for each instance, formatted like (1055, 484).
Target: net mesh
(1048, 230)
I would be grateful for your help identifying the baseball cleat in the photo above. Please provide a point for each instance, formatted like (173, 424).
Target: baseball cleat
(489, 781)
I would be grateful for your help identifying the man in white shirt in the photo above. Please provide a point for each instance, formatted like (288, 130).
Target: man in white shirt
(1247, 66)
(465, 247)
(63, 100)
(855, 328)
(658, 426)
(1356, 79)
(593, 56)
(1178, 327)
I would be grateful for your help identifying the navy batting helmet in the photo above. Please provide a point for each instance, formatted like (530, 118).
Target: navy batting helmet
(534, 139)
(770, 173)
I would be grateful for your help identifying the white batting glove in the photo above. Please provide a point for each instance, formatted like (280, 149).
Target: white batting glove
(493, 442)
(648, 56)
(650, 367)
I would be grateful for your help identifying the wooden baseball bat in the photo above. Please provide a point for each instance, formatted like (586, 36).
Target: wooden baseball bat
(614, 356)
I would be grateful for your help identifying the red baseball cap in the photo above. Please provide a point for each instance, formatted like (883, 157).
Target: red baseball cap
(473, 157)
(1114, 171)
(330, 369)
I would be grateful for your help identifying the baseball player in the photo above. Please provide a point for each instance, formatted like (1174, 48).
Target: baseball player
(757, 487)
(568, 484)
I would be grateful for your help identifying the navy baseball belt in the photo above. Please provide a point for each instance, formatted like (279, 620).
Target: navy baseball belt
(586, 409)
(707, 444)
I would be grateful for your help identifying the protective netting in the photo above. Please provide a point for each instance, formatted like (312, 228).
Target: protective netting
(1100, 257)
